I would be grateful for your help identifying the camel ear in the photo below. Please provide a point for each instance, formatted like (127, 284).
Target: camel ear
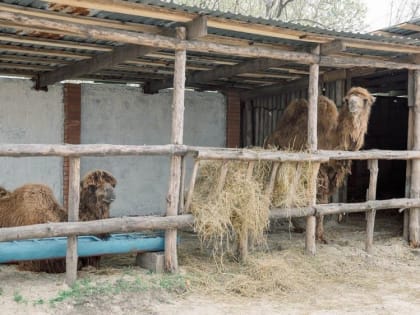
(373, 99)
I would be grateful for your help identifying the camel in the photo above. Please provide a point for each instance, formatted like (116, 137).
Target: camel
(337, 130)
(35, 203)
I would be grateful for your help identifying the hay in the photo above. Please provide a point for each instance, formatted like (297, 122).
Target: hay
(240, 207)
(225, 213)
(294, 185)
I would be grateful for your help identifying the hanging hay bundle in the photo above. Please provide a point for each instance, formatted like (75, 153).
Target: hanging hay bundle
(231, 200)
(294, 184)
(226, 210)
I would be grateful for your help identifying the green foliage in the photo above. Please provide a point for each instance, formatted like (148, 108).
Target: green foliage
(18, 298)
(84, 289)
(39, 302)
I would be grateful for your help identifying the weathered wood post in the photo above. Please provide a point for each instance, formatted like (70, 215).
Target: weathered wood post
(73, 216)
(370, 215)
(310, 246)
(414, 225)
(410, 89)
(173, 199)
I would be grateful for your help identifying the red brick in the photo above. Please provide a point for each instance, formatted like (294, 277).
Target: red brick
(72, 118)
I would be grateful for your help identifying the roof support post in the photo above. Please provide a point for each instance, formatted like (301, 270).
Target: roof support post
(73, 216)
(310, 246)
(414, 220)
(173, 198)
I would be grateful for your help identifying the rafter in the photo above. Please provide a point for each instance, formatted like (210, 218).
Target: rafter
(96, 63)
(203, 77)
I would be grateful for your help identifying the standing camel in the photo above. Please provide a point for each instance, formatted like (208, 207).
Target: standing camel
(337, 130)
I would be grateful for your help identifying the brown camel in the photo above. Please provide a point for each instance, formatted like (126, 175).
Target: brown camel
(344, 130)
(35, 203)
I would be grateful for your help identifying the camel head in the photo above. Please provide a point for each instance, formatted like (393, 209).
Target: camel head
(353, 120)
(96, 194)
(358, 100)
(4, 192)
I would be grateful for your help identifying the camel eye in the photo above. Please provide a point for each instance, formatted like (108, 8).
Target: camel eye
(92, 188)
(365, 102)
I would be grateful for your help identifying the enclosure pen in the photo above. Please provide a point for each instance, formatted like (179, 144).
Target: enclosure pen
(154, 43)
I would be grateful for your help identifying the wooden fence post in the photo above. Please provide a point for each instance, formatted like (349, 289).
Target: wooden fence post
(414, 225)
(410, 89)
(370, 215)
(310, 245)
(173, 199)
(73, 216)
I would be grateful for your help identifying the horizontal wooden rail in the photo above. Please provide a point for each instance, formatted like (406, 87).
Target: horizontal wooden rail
(337, 208)
(202, 153)
(21, 150)
(317, 156)
(135, 224)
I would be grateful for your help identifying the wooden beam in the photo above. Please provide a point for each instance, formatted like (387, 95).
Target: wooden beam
(53, 43)
(202, 77)
(414, 225)
(159, 41)
(96, 63)
(382, 46)
(348, 62)
(312, 143)
(85, 20)
(370, 215)
(73, 216)
(139, 9)
(410, 137)
(44, 52)
(277, 89)
(145, 223)
(177, 134)
(334, 47)
(37, 60)
(197, 28)
(409, 26)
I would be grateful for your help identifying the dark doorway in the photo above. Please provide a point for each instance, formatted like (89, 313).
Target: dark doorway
(387, 131)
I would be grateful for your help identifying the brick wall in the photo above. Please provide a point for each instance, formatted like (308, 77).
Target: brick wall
(233, 120)
(72, 116)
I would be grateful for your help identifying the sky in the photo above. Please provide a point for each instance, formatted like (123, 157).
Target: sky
(378, 14)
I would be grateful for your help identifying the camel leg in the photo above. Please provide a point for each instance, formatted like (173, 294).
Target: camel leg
(297, 228)
(320, 229)
(320, 222)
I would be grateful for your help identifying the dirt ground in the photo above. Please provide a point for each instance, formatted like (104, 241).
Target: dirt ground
(279, 279)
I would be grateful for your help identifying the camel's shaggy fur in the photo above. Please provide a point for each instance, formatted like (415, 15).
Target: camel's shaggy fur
(344, 130)
(35, 203)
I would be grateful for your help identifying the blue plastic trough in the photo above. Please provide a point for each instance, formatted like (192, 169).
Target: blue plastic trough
(55, 247)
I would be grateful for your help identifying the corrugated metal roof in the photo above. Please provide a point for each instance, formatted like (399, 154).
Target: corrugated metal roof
(22, 46)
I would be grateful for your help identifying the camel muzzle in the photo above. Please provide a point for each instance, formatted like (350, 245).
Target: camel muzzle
(109, 195)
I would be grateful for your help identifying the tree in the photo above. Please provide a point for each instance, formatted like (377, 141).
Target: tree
(403, 10)
(343, 15)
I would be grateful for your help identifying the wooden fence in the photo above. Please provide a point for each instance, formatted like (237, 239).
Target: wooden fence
(133, 224)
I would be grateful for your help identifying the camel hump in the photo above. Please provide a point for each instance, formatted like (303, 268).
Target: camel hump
(327, 115)
(38, 195)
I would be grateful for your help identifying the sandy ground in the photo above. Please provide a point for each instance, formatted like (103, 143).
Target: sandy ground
(340, 279)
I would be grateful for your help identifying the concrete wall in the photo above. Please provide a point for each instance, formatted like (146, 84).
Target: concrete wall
(28, 116)
(124, 115)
